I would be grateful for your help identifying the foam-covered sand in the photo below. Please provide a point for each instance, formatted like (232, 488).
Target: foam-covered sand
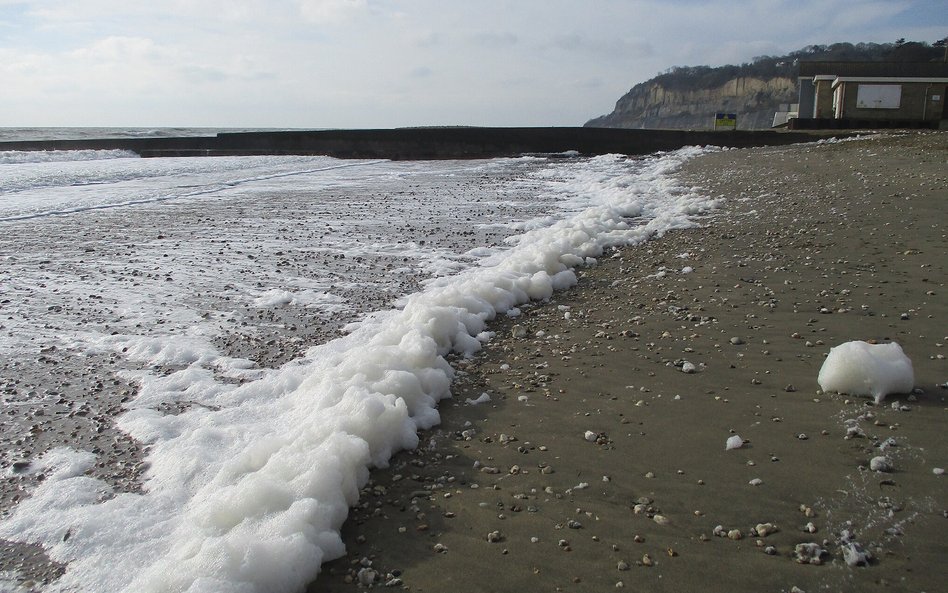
(149, 447)
(604, 454)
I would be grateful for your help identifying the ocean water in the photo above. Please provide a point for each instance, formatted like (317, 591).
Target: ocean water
(27, 133)
(351, 281)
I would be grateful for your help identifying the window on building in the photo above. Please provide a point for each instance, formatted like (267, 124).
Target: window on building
(879, 96)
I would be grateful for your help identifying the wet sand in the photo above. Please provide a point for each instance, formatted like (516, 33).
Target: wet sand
(599, 464)
(197, 262)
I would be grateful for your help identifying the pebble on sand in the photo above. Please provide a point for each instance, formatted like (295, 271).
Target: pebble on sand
(880, 464)
(809, 553)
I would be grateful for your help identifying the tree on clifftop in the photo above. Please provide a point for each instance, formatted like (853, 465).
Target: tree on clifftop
(942, 43)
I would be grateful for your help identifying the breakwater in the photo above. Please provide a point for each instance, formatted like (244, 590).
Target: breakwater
(424, 143)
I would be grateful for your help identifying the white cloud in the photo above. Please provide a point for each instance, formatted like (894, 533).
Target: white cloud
(331, 11)
(495, 39)
(868, 14)
(426, 39)
(352, 63)
(421, 72)
(116, 50)
(604, 48)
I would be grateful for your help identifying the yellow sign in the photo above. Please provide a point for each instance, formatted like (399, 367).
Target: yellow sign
(725, 121)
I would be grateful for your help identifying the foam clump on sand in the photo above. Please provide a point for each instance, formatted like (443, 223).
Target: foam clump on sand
(860, 368)
(482, 399)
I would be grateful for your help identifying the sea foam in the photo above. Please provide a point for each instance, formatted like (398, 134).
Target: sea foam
(247, 488)
(860, 368)
(61, 156)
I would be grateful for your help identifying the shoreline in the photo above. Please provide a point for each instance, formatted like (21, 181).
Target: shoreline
(604, 359)
(814, 246)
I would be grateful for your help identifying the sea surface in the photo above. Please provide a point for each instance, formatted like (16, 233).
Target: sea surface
(41, 133)
(287, 323)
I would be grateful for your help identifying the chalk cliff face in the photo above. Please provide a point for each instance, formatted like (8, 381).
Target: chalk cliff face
(687, 97)
(652, 104)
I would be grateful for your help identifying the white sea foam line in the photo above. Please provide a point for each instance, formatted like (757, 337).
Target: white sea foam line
(247, 491)
(59, 156)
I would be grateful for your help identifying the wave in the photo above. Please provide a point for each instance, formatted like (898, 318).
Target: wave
(19, 157)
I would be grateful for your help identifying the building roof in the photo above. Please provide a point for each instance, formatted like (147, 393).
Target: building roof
(875, 69)
(888, 80)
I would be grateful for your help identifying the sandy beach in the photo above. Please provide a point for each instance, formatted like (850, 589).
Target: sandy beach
(577, 454)
(597, 463)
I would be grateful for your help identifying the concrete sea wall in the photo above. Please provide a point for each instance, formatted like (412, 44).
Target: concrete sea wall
(425, 143)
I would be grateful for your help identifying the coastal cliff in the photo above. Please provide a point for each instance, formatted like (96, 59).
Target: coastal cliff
(688, 97)
(654, 105)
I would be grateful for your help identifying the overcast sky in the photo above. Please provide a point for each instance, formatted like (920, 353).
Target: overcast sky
(389, 63)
